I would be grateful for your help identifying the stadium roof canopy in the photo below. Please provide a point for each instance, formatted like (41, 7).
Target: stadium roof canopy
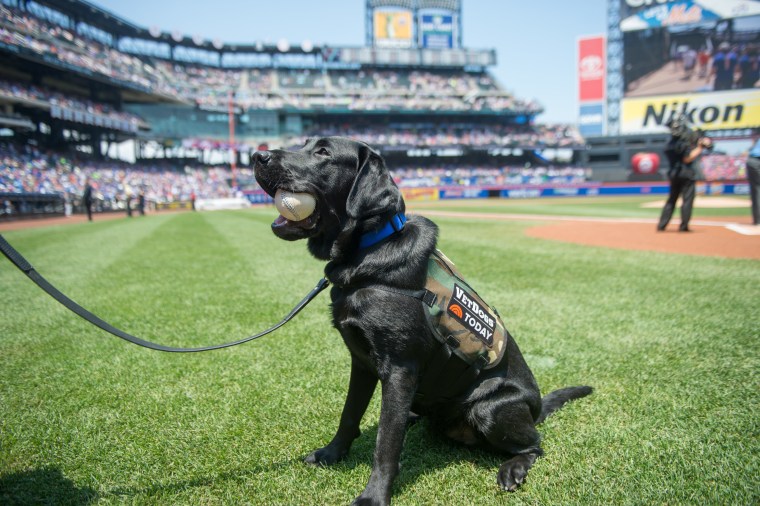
(82, 10)
(451, 5)
(87, 12)
(119, 31)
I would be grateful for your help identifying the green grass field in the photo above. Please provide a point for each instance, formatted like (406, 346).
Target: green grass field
(609, 207)
(670, 343)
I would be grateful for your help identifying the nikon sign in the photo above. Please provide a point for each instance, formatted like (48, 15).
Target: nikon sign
(709, 111)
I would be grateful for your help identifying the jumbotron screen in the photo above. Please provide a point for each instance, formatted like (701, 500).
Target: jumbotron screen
(695, 57)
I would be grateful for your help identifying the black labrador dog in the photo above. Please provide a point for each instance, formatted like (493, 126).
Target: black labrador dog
(384, 329)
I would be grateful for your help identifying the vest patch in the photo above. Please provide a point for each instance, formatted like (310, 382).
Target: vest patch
(458, 313)
(466, 311)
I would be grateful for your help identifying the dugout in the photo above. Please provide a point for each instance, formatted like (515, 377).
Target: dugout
(30, 205)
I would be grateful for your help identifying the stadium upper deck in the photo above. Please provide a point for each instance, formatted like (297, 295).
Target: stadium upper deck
(78, 75)
(148, 66)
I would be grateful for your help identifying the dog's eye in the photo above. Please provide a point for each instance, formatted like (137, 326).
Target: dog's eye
(322, 152)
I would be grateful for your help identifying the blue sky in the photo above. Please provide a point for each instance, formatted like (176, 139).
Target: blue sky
(535, 40)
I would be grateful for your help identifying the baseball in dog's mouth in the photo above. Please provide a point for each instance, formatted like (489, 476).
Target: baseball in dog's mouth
(283, 222)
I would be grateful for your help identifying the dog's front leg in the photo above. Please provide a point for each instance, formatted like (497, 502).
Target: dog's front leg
(398, 392)
(361, 386)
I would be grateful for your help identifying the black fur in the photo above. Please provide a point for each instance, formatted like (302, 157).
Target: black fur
(385, 332)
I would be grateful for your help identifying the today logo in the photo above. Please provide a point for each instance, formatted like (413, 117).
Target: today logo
(469, 313)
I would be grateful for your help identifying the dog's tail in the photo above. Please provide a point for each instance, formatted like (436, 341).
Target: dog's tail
(552, 401)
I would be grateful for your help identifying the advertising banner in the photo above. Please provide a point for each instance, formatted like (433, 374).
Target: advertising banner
(610, 189)
(393, 28)
(591, 121)
(463, 193)
(420, 193)
(258, 197)
(436, 31)
(647, 14)
(736, 109)
(589, 189)
(591, 68)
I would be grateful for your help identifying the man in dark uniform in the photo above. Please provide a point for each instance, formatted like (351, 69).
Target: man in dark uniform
(141, 202)
(753, 175)
(87, 198)
(683, 151)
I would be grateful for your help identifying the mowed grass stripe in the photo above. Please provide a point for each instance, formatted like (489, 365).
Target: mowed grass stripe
(668, 342)
(72, 258)
(181, 393)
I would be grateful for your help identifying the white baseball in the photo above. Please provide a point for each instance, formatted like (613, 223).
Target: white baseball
(294, 206)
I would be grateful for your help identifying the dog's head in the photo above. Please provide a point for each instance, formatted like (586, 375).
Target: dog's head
(353, 190)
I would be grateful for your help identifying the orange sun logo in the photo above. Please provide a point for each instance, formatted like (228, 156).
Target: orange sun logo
(456, 310)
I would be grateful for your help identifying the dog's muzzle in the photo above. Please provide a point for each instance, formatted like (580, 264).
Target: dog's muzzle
(262, 158)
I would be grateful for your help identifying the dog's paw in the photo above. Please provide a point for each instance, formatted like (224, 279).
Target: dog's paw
(513, 472)
(324, 457)
(364, 500)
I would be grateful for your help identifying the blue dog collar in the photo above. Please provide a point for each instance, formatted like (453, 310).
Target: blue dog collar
(395, 224)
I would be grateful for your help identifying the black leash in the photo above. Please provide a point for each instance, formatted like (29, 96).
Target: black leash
(21, 262)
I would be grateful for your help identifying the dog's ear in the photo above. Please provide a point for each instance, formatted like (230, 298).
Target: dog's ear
(373, 191)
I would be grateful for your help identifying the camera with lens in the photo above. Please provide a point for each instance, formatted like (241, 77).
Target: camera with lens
(681, 129)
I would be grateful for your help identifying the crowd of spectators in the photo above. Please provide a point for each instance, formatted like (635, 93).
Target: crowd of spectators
(262, 88)
(720, 167)
(384, 90)
(54, 99)
(25, 169)
(489, 176)
(304, 89)
(452, 135)
(19, 28)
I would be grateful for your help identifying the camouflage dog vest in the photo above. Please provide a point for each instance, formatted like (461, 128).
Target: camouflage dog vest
(471, 334)
(461, 319)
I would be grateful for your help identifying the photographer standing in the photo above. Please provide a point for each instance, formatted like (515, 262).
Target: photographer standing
(753, 175)
(683, 150)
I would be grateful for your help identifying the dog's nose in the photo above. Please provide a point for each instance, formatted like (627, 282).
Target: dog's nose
(261, 157)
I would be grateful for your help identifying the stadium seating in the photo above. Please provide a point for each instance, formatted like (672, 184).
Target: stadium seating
(488, 176)
(82, 111)
(456, 135)
(265, 89)
(417, 93)
(24, 169)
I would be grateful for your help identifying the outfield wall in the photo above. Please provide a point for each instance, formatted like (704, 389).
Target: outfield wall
(538, 191)
(578, 190)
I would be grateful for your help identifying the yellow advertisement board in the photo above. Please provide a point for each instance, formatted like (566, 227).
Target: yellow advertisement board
(393, 28)
(720, 110)
(419, 193)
